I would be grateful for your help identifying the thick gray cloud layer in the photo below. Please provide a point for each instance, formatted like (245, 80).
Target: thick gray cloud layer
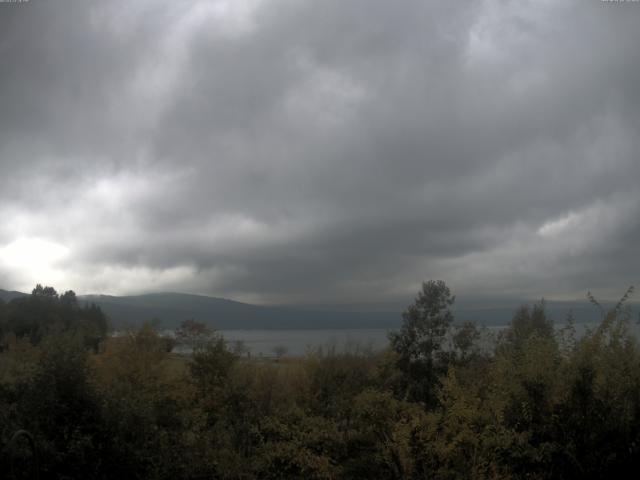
(298, 151)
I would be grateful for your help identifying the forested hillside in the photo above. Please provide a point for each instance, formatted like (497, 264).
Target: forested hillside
(444, 400)
(172, 308)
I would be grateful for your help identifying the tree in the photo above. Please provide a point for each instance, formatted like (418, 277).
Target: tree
(61, 408)
(45, 312)
(419, 342)
(69, 299)
(280, 351)
(526, 323)
(44, 292)
(210, 364)
(194, 334)
(465, 341)
(144, 398)
(3, 322)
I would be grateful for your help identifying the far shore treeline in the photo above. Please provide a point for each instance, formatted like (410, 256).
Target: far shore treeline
(444, 400)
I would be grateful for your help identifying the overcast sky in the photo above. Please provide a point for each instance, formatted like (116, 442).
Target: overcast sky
(292, 151)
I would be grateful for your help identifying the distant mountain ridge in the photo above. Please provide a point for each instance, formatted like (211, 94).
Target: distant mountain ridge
(223, 314)
(7, 296)
(172, 308)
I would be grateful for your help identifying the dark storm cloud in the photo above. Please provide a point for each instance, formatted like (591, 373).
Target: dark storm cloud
(289, 151)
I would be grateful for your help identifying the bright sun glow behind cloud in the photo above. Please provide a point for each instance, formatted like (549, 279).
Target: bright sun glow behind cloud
(33, 260)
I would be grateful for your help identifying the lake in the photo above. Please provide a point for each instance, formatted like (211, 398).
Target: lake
(298, 342)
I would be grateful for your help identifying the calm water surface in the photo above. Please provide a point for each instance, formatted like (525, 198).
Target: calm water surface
(269, 343)
(299, 342)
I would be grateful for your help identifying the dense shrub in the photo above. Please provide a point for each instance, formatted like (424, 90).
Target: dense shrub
(541, 403)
